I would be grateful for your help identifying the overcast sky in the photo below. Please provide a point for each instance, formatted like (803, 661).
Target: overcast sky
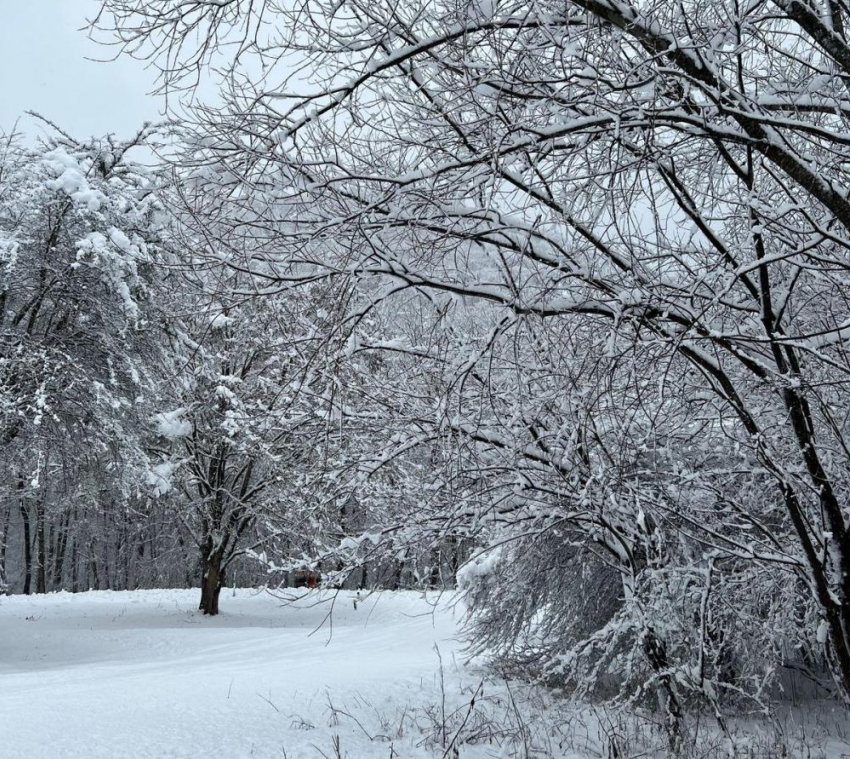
(43, 68)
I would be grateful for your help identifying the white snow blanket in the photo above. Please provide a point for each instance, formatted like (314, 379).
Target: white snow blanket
(144, 675)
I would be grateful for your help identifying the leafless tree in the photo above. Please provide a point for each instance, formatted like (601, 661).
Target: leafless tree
(625, 223)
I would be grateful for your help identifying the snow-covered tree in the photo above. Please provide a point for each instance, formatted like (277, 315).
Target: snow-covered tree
(643, 208)
(235, 434)
(79, 230)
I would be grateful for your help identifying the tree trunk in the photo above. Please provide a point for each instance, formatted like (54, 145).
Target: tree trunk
(4, 542)
(455, 558)
(434, 574)
(106, 560)
(212, 581)
(40, 528)
(25, 517)
(94, 583)
(396, 574)
(59, 552)
(668, 699)
(75, 585)
(125, 555)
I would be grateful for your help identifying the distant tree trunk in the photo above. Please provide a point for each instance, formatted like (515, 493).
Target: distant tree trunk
(435, 575)
(25, 517)
(182, 543)
(95, 576)
(75, 587)
(40, 529)
(4, 541)
(149, 551)
(106, 560)
(396, 574)
(59, 552)
(455, 551)
(125, 555)
(212, 581)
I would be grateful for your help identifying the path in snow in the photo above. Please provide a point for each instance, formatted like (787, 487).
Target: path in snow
(143, 675)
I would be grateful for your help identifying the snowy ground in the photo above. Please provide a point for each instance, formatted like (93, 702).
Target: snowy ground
(143, 675)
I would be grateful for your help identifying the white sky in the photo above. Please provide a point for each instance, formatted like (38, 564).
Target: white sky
(43, 68)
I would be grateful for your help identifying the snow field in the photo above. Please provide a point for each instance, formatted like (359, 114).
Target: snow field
(142, 674)
(306, 675)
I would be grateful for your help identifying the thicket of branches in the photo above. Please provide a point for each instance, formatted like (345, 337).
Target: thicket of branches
(160, 425)
(557, 289)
